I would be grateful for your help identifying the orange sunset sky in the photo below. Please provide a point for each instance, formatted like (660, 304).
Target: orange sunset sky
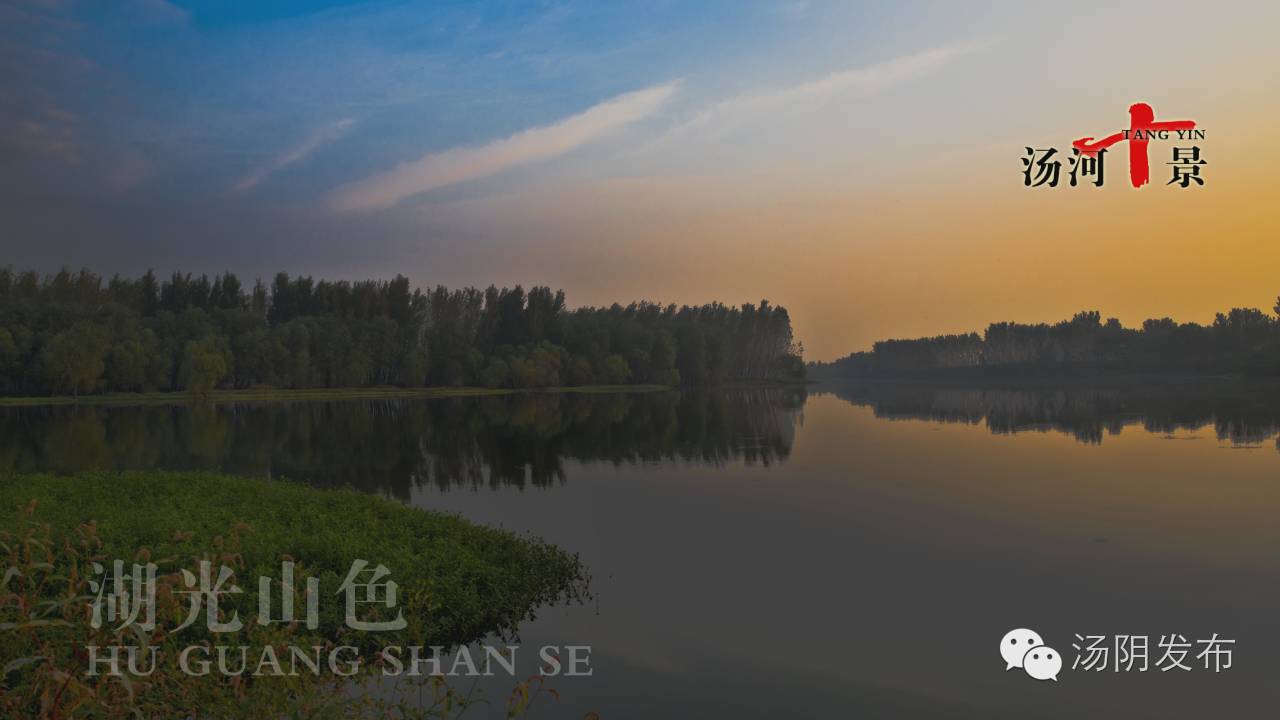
(859, 163)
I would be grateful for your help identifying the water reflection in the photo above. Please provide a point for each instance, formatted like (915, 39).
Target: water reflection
(395, 445)
(1243, 414)
(874, 572)
(747, 565)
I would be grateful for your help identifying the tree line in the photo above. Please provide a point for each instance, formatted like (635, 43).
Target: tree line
(1242, 341)
(74, 333)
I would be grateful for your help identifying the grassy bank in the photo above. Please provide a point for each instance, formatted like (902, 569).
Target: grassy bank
(458, 582)
(275, 395)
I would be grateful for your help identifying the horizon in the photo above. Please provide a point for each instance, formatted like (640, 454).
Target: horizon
(844, 161)
(685, 345)
(1273, 309)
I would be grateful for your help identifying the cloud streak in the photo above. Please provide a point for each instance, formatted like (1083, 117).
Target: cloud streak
(322, 137)
(727, 114)
(459, 165)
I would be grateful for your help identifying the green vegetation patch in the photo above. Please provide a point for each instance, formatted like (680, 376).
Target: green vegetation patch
(457, 583)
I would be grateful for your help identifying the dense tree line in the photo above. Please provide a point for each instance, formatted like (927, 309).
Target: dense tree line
(1244, 340)
(73, 333)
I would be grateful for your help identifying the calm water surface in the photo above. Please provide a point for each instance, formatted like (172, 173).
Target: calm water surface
(853, 550)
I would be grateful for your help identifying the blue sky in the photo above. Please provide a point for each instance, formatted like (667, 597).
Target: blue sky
(280, 103)
(800, 150)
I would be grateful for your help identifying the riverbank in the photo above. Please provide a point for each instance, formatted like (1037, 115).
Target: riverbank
(371, 393)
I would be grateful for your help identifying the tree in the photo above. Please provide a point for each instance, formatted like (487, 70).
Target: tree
(662, 361)
(616, 371)
(71, 332)
(204, 364)
(127, 365)
(74, 358)
(9, 354)
(413, 369)
(497, 374)
(148, 294)
(580, 372)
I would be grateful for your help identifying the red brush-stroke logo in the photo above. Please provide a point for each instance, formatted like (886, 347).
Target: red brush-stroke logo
(1142, 124)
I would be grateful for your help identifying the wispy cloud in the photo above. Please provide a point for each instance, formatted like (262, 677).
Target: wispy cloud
(462, 164)
(724, 115)
(323, 136)
(48, 132)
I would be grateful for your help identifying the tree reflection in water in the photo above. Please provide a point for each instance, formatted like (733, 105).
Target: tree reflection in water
(1241, 413)
(393, 445)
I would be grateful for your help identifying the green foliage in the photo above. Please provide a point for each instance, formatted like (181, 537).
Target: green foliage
(458, 583)
(615, 370)
(580, 372)
(532, 366)
(497, 374)
(75, 359)
(199, 334)
(127, 364)
(662, 361)
(1243, 340)
(9, 356)
(413, 369)
(204, 363)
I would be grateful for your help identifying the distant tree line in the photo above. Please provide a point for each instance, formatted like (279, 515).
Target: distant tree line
(1242, 341)
(73, 333)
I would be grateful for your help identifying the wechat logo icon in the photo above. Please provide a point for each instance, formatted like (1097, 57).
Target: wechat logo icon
(1023, 648)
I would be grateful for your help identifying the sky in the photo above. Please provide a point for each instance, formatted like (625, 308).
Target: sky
(857, 162)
